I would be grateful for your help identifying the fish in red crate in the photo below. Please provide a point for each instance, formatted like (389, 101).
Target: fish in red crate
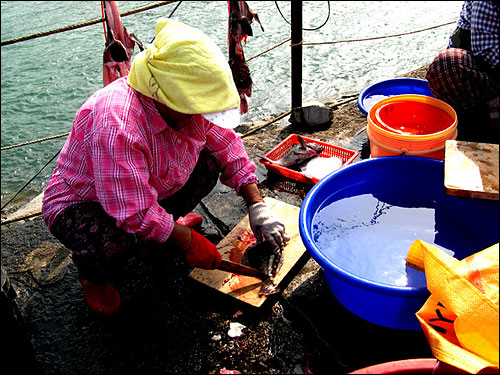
(298, 154)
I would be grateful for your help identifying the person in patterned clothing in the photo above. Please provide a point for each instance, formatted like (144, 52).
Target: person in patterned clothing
(142, 153)
(466, 74)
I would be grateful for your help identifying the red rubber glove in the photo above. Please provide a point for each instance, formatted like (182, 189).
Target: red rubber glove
(103, 299)
(202, 253)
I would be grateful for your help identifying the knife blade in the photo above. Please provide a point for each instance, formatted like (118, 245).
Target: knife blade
(240, 269)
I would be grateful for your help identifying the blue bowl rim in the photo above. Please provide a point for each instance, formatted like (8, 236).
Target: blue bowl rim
(373, 86)
(339, 272)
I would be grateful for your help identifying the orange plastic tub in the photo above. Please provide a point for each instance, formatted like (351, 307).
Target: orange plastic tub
(415, 125)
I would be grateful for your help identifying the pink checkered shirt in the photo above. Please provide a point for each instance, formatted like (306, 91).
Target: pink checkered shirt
(121, 153)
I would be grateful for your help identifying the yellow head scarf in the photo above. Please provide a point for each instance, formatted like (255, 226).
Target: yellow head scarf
(185, 70)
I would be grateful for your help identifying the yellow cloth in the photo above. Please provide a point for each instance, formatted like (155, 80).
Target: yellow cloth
(185, 70)
(460, 319)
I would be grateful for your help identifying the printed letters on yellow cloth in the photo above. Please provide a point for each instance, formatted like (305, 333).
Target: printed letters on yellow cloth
(460, 318)
(185, 70)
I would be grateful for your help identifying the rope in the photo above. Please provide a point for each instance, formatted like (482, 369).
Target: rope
(313, 29)
(270, 49)
(35, 141)
(379, 37)
(279, 117)
(347, 40)
(82, 24)
(169, 16)
(266, 124)
(27, 183)
(297, 44)
(262, 53)
(21, 218)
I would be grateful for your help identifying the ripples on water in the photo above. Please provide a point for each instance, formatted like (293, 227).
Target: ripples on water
(46, 80)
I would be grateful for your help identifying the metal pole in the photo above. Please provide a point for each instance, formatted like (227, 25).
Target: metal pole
(296, 53)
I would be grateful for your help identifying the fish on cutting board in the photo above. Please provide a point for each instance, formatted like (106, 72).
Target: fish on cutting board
(298, 154)
(260, 256)
(238, 241)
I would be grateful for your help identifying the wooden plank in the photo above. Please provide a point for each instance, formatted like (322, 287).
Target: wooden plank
(234, 245)
(471, 169)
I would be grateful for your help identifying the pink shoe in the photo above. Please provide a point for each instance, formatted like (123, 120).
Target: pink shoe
(190, 220)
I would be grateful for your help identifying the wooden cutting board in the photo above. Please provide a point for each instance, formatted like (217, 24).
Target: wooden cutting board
(471, 169)
(234, 245)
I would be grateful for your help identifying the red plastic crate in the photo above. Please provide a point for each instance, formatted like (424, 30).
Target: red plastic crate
(347, 156)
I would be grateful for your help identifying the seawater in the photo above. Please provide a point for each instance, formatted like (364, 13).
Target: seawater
(370, 238)
(46, 80)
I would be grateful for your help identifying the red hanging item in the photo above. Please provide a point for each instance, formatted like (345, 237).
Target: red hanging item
(119, 45)
(240, 19)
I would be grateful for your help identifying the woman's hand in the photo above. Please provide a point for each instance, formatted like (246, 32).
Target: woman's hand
(266, 226)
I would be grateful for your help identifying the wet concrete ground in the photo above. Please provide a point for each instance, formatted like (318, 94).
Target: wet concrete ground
(169, 323)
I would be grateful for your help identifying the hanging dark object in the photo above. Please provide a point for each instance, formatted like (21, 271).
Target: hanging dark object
(240, 19)
(119, 45)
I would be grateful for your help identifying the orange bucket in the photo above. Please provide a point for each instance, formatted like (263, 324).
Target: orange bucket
(415, 125)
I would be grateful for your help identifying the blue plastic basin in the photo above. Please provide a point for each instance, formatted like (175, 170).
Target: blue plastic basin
(463, 225)
(396, 86)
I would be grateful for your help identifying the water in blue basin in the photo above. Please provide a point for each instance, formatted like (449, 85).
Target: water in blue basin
(370, 238)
